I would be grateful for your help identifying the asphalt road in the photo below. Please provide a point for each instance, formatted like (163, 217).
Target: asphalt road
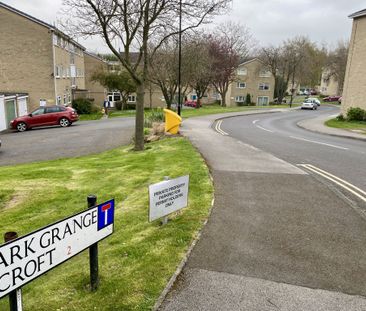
(279, 135)
(48, 143)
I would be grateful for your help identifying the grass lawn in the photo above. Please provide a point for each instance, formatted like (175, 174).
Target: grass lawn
(137, 261)
(92, 116)
(205, 110)
(348, 125)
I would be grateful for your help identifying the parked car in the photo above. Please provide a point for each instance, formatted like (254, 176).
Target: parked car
(313, 92)
(309, 103)
(331, 98)
(314, 99)
(340, 100)
(44, 116)
(190, 103)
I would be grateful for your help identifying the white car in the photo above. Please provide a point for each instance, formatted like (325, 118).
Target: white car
(310, 103)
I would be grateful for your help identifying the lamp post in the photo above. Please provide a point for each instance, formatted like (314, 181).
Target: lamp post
(180, 60)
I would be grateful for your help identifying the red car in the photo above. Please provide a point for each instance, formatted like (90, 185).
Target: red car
(331, 98)
(44, 116)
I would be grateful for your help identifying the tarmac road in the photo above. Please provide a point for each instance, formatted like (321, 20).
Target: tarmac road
(48, 143)
(280, 236)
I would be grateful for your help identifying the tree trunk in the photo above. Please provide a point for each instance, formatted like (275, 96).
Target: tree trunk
(139, 121)
(223, 98)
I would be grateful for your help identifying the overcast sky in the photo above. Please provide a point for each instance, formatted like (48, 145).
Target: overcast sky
(270, 21)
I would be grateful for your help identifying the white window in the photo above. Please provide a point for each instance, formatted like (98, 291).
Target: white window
(63, 72)
(262, 100)
(65, 99)
(240, 99)
(58, 100)
(131, 98)
(241, 85)
(263, 86)
(264, 73)
(58, 72)
(242, 72)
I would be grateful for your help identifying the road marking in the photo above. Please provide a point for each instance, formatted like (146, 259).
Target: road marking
(255, 121)
(262, 128)
(219, 130)
(340, 182)
(318, 142)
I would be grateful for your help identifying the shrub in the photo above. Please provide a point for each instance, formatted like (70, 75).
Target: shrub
(82, 106)
(340, 117)
(129, 107)
(356, 114)
(154, 115)
(119, 105)
(248, 99)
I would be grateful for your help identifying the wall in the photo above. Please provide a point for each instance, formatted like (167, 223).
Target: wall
(354, 93)
(26, 62)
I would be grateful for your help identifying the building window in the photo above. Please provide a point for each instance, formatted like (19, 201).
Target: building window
(262, 100)
(241, 85)
(131, 98)
(242, 72)
(263, 86)
(69, 99)
(240, 99)
(264, 73)
(58, 101)
(58, 72)
(65, 99)
(63, 72)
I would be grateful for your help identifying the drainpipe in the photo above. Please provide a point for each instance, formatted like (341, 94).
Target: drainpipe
(54, 65)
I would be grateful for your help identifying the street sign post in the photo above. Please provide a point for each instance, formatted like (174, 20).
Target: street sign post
(28, 257)
(167, 197)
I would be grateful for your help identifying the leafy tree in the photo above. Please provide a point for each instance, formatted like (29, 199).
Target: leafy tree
(121, 82)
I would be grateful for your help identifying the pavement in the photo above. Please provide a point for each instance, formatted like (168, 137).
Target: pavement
(277, 238)
(317, 125)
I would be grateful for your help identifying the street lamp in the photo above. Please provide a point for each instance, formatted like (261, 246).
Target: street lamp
(180, 59)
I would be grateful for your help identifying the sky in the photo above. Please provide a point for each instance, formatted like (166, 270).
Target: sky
(270, 21)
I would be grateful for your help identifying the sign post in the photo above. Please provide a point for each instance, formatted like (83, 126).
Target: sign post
(168, 197)
(93, 253)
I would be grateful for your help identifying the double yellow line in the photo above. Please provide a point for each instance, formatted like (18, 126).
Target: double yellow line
(218, 128)
(338, 181)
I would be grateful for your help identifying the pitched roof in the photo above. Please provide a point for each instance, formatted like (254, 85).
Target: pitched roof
(38, 21)
(358, 14)
(250, 60)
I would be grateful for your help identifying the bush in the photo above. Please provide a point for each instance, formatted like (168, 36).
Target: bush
(118, 105)
(82, 106)
(154, 115)
(356, 114)
(340, 118)
(248, 99)
(130, 107)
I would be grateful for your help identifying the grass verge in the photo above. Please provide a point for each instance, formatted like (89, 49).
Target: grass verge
(137, 261)
(347, 125)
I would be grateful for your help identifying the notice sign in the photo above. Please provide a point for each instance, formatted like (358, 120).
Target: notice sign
(167, 197)
(29, 256)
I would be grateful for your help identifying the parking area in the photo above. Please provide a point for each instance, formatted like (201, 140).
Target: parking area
(82, 138)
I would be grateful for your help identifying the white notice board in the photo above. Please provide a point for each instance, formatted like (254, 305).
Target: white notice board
(168, 196)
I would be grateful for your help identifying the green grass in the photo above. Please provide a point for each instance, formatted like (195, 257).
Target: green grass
(92, 116)
(137, 261)
(205, 110)
(348, 125)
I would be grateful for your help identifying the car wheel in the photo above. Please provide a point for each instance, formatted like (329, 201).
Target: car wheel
(64, 122)
(21, 127)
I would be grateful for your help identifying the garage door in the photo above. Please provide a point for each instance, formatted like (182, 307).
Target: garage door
(10, 111)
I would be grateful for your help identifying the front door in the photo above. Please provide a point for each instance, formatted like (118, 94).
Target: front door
(263, 101)
(10, 111)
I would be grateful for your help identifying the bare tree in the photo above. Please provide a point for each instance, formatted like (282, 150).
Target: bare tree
(228, 45)
(336, 64)
(133, 25)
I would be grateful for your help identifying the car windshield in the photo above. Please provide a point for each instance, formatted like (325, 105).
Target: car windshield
(308, 101)
(38, 111)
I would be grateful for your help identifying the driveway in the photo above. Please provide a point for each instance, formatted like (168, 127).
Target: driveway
(82, 138)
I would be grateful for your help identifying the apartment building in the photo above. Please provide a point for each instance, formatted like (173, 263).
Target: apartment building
(38, 59)
(253, 78)
(328, 85)
(354, 91)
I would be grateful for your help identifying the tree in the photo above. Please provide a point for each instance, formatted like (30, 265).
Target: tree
(120, 81)
(133, 25)
(228, 45)
(336, 64)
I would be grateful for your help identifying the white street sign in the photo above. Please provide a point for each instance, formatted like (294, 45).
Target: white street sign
(30, 256)
(167, 197)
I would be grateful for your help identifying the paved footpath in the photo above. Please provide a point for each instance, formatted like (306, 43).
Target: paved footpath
(277, 238)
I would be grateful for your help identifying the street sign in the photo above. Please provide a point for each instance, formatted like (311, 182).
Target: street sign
(167, 197)
(28, 257)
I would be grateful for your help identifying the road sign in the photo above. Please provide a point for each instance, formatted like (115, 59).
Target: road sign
(167, 197)
(28, 257)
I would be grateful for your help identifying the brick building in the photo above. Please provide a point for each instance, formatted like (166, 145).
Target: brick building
(38, 59)
(354, 92)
